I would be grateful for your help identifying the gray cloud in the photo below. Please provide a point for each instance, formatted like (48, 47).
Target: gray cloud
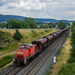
(2, 3)
(57, 9)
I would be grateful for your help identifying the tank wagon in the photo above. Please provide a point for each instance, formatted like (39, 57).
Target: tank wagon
(41, 43)
(28, 51)
(49, 39)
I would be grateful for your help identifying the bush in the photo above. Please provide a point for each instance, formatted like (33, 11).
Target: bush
(1, 35)
(5, 60)
(41, 32)
(46, 30)
(1, 47)
(71, 60)
(7, 39)
(34, 33)
(68, 69)
(3, 32)
(3, 38)
(17, 35)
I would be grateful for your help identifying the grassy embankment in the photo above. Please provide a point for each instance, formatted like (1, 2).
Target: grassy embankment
(28, 37)
(62, 57)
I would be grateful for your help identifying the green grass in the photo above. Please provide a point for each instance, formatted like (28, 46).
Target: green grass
(5, 60)
(68, 69)
(10, 48)
(1, 47)
(34, 33)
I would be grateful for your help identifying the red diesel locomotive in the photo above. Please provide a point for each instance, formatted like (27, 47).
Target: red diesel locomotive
(27, 51)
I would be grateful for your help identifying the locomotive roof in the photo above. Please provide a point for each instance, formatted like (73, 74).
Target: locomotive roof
(28, 44)
(24, 48)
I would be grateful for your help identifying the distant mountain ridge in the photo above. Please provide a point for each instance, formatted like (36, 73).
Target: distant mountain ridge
(5, 18)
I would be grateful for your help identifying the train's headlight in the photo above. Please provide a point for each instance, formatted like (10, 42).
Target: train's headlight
(25, 61)
(13, 59)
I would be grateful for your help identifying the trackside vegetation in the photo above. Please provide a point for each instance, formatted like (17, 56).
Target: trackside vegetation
(69, 67)
(17, 35)
(62, 57)
(5, 60)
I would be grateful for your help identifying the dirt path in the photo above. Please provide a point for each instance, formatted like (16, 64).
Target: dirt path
(7, 54)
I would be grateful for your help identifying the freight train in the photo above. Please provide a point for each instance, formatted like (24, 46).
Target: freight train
(28, 51)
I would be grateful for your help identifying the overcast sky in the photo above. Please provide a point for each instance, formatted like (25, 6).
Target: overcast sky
(53, 9)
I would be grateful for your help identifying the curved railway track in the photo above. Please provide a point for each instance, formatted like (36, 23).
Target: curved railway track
(36, 66)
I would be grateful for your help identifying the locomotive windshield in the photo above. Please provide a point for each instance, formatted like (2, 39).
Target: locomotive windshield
(22, 46)
(27, 46)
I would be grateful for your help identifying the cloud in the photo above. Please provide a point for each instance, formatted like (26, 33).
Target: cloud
(6, 2)
(2, 2)
(29, 5)
(23, 4)
(57, 9)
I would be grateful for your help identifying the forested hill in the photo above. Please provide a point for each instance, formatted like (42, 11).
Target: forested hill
(8, 17)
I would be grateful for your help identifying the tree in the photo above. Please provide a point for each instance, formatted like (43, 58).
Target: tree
(13, 23)
(31, 22)
(17, 35)
(46, 26)
(73, 33)
(24, 24)
(3, 25)
(42, 26)
(61, 25)
(73, 24)
(53, 25)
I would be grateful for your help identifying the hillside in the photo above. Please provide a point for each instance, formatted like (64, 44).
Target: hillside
(5, 39)
(5, 18)
(10, 45)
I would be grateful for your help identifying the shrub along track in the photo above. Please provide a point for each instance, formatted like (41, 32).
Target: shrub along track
(36, 66)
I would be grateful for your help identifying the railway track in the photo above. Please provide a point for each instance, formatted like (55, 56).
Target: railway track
(10, 70)
(14, 70)
(34, 68)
